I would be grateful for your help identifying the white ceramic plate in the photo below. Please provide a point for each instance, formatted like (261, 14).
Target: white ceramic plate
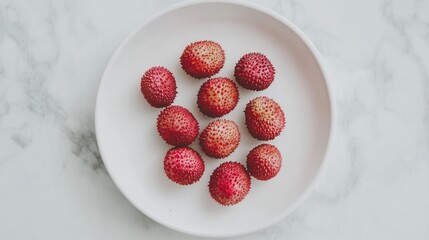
(126, 125)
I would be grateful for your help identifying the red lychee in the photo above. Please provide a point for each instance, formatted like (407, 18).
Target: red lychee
(254, 71)
(229, 183)
(217, 97)
(264, 162)
(220, 138)
(183, 165)
(264, 118)
(202, 59)
(177, 126)
(158, 86)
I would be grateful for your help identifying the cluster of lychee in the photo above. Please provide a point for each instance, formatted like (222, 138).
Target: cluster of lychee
(230, 182)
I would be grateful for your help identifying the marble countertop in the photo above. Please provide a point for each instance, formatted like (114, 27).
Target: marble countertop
(53, 184)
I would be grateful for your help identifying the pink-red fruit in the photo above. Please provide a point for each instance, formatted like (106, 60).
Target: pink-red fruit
(220, 138)
(264, 162)
(158, 86)
(229, 183)
(177, 126)
(202, 59)
(254, 71)
(265, 119)
(183, 165)
(217, 97)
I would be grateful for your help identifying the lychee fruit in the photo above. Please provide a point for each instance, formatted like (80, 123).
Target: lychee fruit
(217, 97)
(177, 126)
(158, 87)
(183, 165)
(254, 71)
(202, 59)
(264, 118)
(264, 162)
(229, 183)
(220, 138)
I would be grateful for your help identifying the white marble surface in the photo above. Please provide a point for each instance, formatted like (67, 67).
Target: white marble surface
(52, 181)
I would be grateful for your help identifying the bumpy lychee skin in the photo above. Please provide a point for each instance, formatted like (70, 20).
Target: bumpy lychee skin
(264, 162)
(217, 97)
(254, 71)
(202, 59)
(183, 165)
(220, 138)
(177, 126)
(229, 183)
(265, 119)
(158, 86)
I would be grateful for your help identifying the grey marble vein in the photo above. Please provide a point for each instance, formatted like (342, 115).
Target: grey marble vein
(85, 146)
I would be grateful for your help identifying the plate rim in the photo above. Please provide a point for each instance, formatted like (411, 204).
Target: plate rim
(314, 52)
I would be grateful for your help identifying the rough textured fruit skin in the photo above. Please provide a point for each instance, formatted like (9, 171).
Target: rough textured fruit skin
(264, 162)
(158, 86)
(202, 59)
(254, 71)
(229, 183)
(264, 118)
(177, 126)
(217, 97)
(183, 165)
(220, 138)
